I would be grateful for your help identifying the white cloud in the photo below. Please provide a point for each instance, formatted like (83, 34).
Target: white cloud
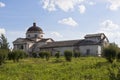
(114, 4)
(108, 25)
(2, 4)
(82, 9)
(2, 31)
(64, 5)
(49, 5)
(91, 3)
(68, 21)
(13, 35)
(56, 34)
(111, 30)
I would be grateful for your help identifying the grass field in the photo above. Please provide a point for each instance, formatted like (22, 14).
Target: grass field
(83, 68)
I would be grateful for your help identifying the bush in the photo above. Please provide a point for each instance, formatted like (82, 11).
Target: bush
(110, 52)
(3, 55)
(57, 55)
(47, 55)
(16, 55)
(76, 54)
(34, 55)
(68, 55)
(118, 56)
(41, 54)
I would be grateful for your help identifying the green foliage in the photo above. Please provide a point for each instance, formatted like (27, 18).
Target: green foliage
(84, 68)
(34, 55)
(3, 42)
(41, 54)
(16, 55)
(118, 56)
(68, 55)
(76, 54)
(57, 55)
(114, 74)
(110, 52)
(3, 55)
(47, 55)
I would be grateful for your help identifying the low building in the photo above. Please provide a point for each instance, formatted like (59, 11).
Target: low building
(92, 44)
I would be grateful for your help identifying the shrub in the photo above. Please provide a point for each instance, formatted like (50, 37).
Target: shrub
(57, 55)
(3, 55)
(68, 55)
(34, 55)
(118, 56)
(76, 54)
(41, 54)
(110, 53)
(16, 55)
(47, 55)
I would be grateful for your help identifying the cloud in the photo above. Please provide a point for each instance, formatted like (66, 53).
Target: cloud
(49, 5)
(56, 34)
(2, 4)
(82, 9)
(65, 5)
(91, 3)
(111, 30)
(13, 35)
(114, 5)
(2, 31)
(108, 25)
(68, 21)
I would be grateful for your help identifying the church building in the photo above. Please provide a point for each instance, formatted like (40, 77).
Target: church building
(92, 44)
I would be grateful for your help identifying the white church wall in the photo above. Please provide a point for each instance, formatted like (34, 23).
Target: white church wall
(93, 50)
(62, 49)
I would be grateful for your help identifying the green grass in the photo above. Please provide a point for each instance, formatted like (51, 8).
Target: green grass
(83, 68)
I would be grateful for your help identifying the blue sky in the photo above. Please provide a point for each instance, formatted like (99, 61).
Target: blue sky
(61, 19)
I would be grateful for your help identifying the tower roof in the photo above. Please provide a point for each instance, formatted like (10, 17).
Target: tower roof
(34, 28)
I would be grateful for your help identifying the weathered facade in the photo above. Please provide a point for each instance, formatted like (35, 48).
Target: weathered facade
(92, 44)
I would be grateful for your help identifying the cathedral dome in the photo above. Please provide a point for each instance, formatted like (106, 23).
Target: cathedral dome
(34, 28)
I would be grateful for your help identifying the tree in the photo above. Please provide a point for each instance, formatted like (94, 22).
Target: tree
(76, 54)
(3, 55)
(110, 52)
(34, 55)
(3, 42)
(68, 55)
(57, 54)
(47, 55)
(41, 54)
(16, 55)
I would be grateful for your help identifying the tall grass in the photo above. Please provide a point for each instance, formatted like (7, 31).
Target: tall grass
(83, 68)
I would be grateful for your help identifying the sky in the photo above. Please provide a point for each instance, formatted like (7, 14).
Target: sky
(61, 19)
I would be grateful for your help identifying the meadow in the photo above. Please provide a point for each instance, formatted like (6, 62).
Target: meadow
(82, 68)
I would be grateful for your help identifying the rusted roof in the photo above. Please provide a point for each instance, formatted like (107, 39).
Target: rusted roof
(94, 35)
(69, 43)
(34, 28)
(45, 39)
(23, 40)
